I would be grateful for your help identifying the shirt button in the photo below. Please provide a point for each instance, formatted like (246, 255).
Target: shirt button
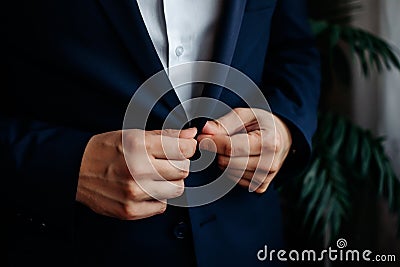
(179, 51)
(42, 226)
(180, 230)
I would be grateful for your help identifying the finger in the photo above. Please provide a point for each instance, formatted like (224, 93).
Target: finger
(117, 202)
(166, 147)
(186, 133)
(160, 169)
(242, 182)
(261, 188)
(171, 169)
(254, 179)
(258, 188)
(237, 145)
(259, 176)
(251, 163)
(103, 190)
(189, 133)
(161, 189)
(140, 190)
(145, 209)
(231, 123)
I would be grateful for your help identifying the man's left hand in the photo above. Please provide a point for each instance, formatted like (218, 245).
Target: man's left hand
(251, 145)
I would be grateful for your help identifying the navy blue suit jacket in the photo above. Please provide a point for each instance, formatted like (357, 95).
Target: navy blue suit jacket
(72, 67)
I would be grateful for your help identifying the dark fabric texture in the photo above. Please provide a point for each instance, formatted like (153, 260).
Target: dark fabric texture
(72, 67)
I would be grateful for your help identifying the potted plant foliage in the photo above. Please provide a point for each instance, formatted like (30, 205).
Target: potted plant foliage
(349, 170)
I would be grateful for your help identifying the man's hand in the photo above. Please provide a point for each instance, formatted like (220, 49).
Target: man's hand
(251, 144)
(130, 187)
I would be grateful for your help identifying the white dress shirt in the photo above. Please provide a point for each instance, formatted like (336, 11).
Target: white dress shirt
(182, 31)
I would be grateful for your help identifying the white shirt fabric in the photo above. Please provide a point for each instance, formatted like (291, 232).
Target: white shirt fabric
(182, 31)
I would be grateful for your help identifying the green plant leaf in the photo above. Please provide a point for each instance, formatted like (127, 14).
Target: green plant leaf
(318, 27)
(334, 37)
(394, 59)
(309, 179)
(381, 169)
(371, 50)
(343, 154)
(338, 136)
(352, 145)
(316, 193)
(326, 196)
(391, 184)
(365, 155)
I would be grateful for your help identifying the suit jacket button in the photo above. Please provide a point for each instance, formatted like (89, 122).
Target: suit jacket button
(180, 230)
(42, 227)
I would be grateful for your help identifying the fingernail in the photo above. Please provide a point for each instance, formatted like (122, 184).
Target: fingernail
(253, 186)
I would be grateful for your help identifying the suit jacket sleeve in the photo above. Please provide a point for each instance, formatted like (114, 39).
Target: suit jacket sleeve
(291, 79)
(41, 163)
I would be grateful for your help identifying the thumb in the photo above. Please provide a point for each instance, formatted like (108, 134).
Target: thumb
(213, 128)
(231, 123)
(186, 133)
(189, 133)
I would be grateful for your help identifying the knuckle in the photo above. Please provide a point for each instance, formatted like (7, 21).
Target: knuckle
(277, 142)
(128, 211)
(186, 165)
(132, 191)
(163, 208)
(228, 149)
(258, 144)
(134, 142)
(183, 173)
(181, 169)
(268, 139)
(275, 166)
(222, 161)
(149, 145)
(110, 170)
(180, 189)
(117, 170)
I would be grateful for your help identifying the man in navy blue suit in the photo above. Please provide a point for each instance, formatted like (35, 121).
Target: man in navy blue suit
(72, 68)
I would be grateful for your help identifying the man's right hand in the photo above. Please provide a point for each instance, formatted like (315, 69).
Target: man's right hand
(158, 162)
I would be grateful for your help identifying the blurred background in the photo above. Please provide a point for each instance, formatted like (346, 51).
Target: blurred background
(376, 99)
(351, 188)
(376, 106)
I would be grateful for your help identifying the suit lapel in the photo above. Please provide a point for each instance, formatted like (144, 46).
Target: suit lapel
(228, 32)
(127, 20)
(128, 23)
